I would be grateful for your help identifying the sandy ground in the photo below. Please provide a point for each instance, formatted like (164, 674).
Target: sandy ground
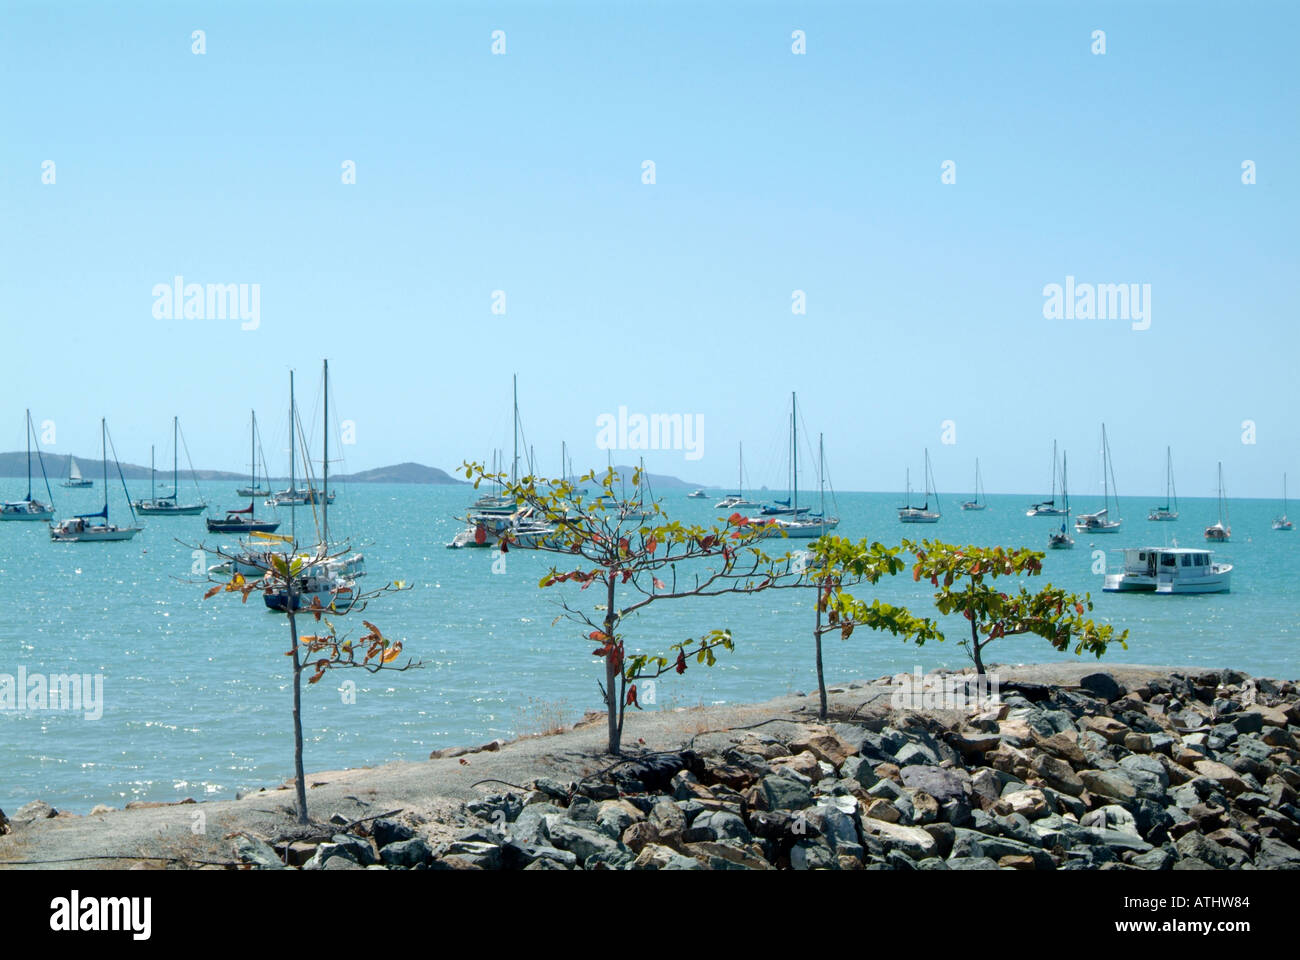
(190, 833)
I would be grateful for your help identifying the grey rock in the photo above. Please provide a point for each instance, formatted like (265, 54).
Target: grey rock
(357, 848)
(783, 792)
(938, 782)
(406, 853)
(1194, 846)
(812, 855)
(390, 831)
(1161, 858)
(579, 839)
(29, 813)
(972, 863)
(1103, 685)
(256, 852)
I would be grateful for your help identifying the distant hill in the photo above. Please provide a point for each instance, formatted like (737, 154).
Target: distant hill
(56, 467)
(402, 473)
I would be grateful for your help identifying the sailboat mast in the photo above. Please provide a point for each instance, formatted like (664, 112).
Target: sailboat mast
(325, 464)
(153, 471)
(103, 446)
(821, 471)
(176, 484)
(514, 466)
(794, 456)
(293, 450)
(1053, 500)
(28, 430)
(252, 457)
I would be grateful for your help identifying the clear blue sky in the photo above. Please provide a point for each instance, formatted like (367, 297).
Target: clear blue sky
(775, 172)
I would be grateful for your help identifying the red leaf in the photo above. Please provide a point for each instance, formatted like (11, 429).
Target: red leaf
(652, 545)
(631, 697)
(681, 661)
(659, 584)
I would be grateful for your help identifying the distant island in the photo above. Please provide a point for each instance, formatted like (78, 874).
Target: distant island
(56, 468)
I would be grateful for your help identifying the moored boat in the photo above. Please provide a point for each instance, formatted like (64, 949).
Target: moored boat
(1220, 532)
(83, 527)
(1282, 523)
(1169, 570)
(921, 514)
(30, 508)
(1100, 521)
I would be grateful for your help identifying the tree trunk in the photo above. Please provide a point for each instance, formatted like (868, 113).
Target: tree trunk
(821, 677)
(292, 596)
(612, 674)
(975, 648)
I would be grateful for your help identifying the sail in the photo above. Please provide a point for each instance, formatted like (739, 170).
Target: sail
(74, 471)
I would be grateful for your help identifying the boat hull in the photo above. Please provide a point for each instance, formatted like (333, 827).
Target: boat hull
(26, 512)
(242, 526)
(78, 484)
(94, 534)
(153, 510)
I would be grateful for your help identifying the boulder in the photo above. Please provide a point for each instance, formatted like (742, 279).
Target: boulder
(1103, 686)
(940, 783)
(1223, 775)
(1057, 774)
(256, 853)
(30, 813)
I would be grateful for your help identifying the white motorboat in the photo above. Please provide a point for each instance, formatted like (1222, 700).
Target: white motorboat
(1169, 570)
(1220, 532)
(1100, 521)
(697, 495)
(29, 508)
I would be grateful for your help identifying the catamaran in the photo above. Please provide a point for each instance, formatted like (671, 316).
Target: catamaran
(82, 527)
(977, 503)
(1282, 523)
(1061, 539)
(245, 520)
(157, 505)
(697, 495)
(1220, 532)
(29, 508)
(1048, 508)
(1169, 570)
(921, 514)
(1100, 521)
(75, 479)
(1169, 511)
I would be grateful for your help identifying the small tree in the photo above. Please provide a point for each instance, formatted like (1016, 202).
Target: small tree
(839, 562)
(287, 574)
(631, 549)
(964, 577)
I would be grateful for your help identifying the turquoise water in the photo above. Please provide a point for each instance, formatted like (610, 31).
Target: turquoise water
(197, 700)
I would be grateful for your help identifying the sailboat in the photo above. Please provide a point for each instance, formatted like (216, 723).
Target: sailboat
(331, 580)
(1220, 532)
(1061, 539)
(75, 479)
(28, 508)
(1100, 521)
(82, 527)
(1169, 511)
(1282, 523)
(977, 503)
(245, 520)
(921, 514)
(641, 508)
(157, 505)
(291, 496)
(253, 489)
(813, 525)
(737, 501)
(1048, 508)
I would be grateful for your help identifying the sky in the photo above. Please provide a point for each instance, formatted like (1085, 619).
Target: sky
(523, 171)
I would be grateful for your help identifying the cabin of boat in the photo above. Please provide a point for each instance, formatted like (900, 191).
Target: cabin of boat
(1096, 523)
(1170, 570)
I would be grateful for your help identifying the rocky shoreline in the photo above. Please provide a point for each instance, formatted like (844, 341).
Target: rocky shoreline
(1125, 768)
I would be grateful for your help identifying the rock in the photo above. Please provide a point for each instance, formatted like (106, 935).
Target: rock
(1196, 847)
(972, 863)
(940, 783)
(825, 746)
(257, 853)
(655, 857)
(925, 808)
(727, 856)
(966, 845)
(1102, 685)
(1057, 774)
(717, 825)
(913, 841)
(804, 763)
(390, 831)
(882, 809)
(1273, 854)
(482, 854)
(29, 813)
(973, 746)
(1208, 816)
(357, 848)
(859, 770)
(405, 853)
(999, 847)
(668, 820)
(1224, 776)
(1014, 861)
(1109, 784)
(1064, 746)
(1147, 774)
(1160, 858)
(615, 816)
(914, 753)
(812, 855)
(1029, 803)
(95, 810)
(785, 793)
(1108, 727)
(580, 840)
(1138, 742)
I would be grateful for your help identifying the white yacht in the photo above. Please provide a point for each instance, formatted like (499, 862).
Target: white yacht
(1100, 521)
(1170, 570)
(1061, 539)
(1220, 532)
(921, 514)
(1048, 507)
(1282, 523)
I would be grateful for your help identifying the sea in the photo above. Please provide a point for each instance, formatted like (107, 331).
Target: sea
(196, 693)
